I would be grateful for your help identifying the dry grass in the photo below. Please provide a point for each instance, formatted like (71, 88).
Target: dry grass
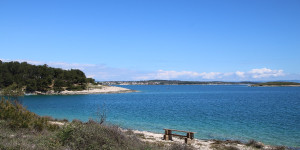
(255, 144)
(21, 129)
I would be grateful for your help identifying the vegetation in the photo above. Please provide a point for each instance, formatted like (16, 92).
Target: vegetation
(16, 116)
(31, 78)
(21, 129)
(13, 91)
(91, 135)
(250, 145)
(277, 84)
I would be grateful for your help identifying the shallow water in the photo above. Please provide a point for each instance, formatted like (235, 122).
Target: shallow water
(267, 114)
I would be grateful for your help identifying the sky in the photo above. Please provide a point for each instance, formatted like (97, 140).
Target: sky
(199, 40)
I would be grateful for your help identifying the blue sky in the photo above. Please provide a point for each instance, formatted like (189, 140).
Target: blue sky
(156, 39)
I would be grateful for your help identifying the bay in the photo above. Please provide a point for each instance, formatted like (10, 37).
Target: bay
(237, 112)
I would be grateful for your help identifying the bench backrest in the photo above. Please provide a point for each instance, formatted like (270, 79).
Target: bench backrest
(179, 131)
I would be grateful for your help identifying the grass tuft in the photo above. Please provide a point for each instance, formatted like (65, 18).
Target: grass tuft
(255, 144)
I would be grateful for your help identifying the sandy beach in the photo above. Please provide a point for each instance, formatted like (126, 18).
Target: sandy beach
(99, 90)
(96, 89)
(196, 143)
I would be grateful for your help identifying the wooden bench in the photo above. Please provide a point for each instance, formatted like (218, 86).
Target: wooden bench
(187, 139)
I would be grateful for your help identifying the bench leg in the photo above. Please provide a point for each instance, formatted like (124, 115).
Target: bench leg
(190, 135)
(187, 141)
(168, 137)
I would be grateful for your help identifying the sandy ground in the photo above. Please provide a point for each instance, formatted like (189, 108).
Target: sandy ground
(196, 143)
(99, 90)
(57, 123)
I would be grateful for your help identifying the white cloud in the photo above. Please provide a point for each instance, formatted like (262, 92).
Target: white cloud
(262, 73)
(161, 74)
(167, 75)
(91, 76)
(228, 74)
(240, 74)
(211, 75)
(265, 73)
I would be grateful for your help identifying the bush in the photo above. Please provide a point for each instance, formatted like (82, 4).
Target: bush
(18, 116)
(92, 135)
(255, 144)
(180, 147)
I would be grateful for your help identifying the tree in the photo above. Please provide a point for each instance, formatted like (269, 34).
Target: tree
(90, 80)
(41, 78)
(58, 85)
(31, 85)
(13, 91)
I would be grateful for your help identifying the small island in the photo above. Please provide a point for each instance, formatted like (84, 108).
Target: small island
(277, 84)
(24, 78)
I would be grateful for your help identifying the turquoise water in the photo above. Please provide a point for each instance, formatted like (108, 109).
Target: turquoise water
(267, 114)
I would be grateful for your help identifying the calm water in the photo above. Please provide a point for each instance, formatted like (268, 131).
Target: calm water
(267, 114)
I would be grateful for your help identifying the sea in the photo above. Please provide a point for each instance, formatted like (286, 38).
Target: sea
(225, 112)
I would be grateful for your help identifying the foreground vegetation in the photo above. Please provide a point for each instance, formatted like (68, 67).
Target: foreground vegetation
(21, 129)
(42, 78)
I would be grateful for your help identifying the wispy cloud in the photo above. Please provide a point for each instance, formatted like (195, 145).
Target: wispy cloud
(265, 73)
(103, 72)
(250, 75)
(240, 74)
(162, 74)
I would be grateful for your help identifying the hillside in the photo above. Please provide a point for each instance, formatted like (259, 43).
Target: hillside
(42, 78)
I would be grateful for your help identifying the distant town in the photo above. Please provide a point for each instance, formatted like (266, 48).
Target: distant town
(172, 82)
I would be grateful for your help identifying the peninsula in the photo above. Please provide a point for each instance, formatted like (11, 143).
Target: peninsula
(44, 80)
(277, 84)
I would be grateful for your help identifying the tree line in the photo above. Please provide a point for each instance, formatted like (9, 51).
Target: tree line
(41, 78)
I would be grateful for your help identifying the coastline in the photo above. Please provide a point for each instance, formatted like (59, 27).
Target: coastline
(91, 90)
(205, 144)
(211, 144)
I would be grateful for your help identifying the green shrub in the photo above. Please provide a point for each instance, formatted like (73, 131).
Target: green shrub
(92, 135)
(18, 116)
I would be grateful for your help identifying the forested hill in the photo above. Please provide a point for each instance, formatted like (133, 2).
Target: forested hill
(41, 78)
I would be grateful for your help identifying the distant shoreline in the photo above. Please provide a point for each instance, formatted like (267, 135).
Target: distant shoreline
(174, 82)
(275, 85)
